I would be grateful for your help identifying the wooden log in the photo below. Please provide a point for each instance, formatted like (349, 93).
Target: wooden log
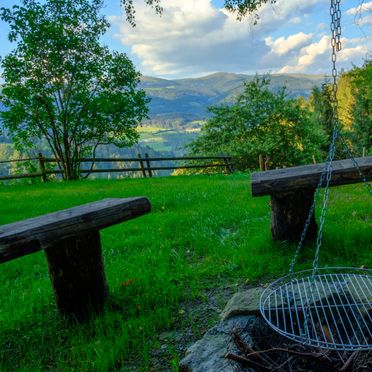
(307, 176)
(77, 274)
(24, 237)
(289, 212)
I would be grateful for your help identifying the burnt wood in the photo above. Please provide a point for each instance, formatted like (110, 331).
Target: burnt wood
(307, 177)
(28, 236)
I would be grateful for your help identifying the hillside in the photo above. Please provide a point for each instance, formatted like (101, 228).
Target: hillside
(178, 107)
(187, 100)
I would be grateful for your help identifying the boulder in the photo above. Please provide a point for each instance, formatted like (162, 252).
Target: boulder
(208, 354)
(243, 303)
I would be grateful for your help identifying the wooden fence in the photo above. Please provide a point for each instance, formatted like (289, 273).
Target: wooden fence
(142, 165)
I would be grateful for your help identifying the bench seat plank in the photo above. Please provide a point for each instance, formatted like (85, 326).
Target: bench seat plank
(307, 177)
(24, 237)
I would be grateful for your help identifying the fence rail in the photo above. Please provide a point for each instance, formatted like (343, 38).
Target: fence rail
(146, 166)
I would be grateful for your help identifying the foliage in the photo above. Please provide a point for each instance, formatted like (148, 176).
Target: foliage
(241, 8)
(63, 86)
(321, 104)
(261, 123)
(188, 249)
(361, 88)
(354, 98)
(346, 101)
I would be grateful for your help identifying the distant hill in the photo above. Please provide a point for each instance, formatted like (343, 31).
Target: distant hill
(186, 100)
(178, 108)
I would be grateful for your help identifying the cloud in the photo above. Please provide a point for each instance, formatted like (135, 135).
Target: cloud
(193, 38)
(316, 57)
(364, 7)
(283, 45)
(359, 12)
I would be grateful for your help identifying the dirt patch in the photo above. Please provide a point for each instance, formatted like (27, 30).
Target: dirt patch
(195, 318)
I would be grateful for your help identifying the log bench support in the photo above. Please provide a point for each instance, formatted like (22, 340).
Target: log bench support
(77, 274)
(72, 245)
(292, 191)
(289, 212)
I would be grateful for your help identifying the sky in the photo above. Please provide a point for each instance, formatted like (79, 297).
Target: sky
(198, 37)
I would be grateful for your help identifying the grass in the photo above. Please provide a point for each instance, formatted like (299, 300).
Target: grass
(204, 232)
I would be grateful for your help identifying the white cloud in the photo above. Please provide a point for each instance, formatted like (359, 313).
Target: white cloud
(193, 38)
(283, 45)
(316, 57)
(365, 21)
(359, 12)
(364, 7)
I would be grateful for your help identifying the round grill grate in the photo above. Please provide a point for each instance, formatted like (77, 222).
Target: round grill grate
(336, 303)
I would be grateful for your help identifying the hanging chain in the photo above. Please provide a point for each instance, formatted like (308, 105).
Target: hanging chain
(335, 13)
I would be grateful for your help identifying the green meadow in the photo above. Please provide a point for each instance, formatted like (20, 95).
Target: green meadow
(204, 234)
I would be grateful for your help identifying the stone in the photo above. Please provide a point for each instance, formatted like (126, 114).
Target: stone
(243, 303)
(208, 354)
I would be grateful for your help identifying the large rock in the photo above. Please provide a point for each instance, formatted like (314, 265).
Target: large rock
(208, 354)
(243, 303)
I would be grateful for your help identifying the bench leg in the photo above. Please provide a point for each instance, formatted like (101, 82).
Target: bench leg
(77, 273)
(289, 212)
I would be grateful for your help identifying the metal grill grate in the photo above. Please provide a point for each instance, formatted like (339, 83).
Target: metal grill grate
(336, 305)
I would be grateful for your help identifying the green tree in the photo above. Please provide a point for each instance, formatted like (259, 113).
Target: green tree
(61, 85)
(262, 123)
(361, 130)
(322, 108)
(346, 101)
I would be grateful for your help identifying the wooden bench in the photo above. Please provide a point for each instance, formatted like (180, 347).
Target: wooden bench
(292, 193)
(71, 241)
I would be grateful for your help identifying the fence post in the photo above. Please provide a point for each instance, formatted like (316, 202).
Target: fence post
(364, 152)
(261, 163)
(229, 167)
(267, 164)
(42, 166)
(314, 160)
(148, 165)
(141, 165)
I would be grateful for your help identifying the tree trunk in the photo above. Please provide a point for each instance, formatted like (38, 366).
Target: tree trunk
(77, 273)
(289, 212)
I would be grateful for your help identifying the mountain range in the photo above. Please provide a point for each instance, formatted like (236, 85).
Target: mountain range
(187, 100)
(178, 108)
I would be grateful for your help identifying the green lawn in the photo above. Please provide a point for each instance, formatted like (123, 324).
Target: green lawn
(204, 232)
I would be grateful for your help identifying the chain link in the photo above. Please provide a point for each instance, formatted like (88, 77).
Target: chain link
(336, 47)
(335, 13)
(326, 174)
